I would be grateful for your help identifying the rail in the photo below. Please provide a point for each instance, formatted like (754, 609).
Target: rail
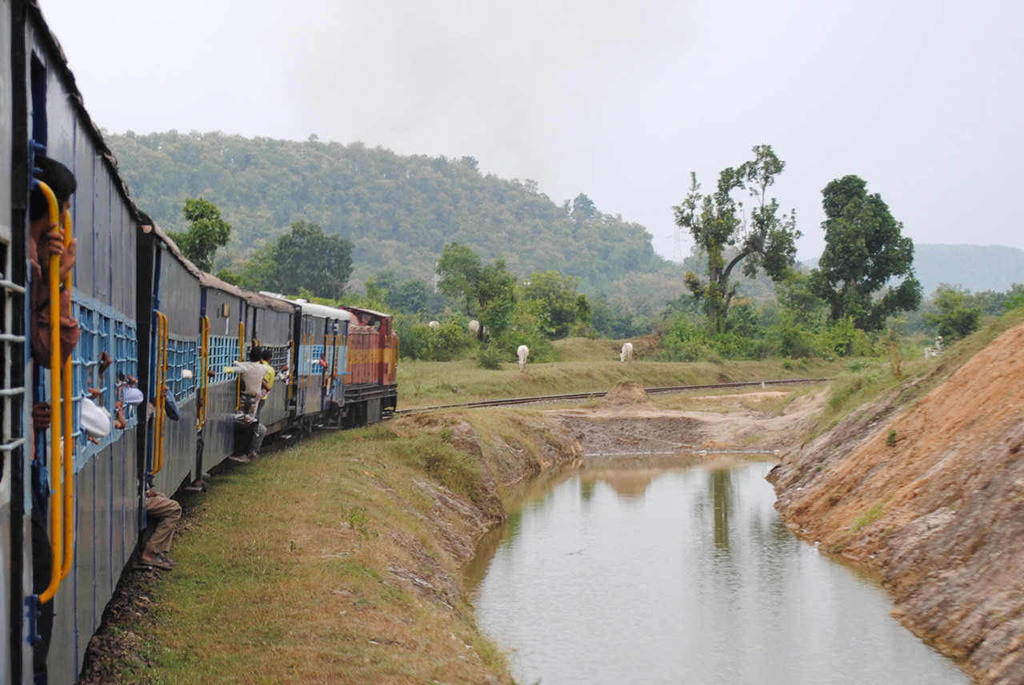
(159, 401)
(204, 371)
(582, 396)
(68, 430)
(241, 356)
(57, 500)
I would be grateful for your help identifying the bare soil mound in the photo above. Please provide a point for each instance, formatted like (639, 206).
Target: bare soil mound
(626, 394)
(933, 502)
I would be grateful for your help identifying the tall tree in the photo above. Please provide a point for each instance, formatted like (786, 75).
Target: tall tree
(957, 317)
(716, 222)
(488, 291)
(583, 208)
(865, 251)
(306, 258)
(558, 304)
(459, 269)
(206, 232)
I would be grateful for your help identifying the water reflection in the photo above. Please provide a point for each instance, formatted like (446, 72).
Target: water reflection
(683, 576)
(721, 491)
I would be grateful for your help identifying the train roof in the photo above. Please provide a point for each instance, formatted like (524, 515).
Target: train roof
(363, 314)
(311, 308)
(267, 302)
(210, 281)
(175, 250)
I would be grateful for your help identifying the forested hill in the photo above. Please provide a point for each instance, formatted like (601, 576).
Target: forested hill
(398, 211)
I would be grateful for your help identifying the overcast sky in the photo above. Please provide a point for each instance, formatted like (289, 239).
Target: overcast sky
(620, 100)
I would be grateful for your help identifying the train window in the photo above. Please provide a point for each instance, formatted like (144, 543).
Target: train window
(181, 355)
(223, 352)
(101, 333)
(38, 101)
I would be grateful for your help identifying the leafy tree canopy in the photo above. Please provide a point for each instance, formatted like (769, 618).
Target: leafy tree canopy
(957, 316)
(716, 222)
(302, 260)
(865, 250)
(559, 304)
(206, 232)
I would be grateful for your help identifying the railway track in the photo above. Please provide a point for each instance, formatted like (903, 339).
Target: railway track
(583, 396)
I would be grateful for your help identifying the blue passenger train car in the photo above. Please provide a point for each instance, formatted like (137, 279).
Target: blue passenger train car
(222, 339)
(155, 336)
(99, 506)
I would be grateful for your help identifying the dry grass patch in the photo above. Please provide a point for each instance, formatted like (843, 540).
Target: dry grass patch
(324, 563)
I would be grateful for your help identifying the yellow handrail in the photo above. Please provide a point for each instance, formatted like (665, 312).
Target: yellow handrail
(162, 343)
(334, 360)
(69, 439)
(204, 370)
(56, 500)
(290, 388)
(241, 357)
(304, 373)
(327, 337)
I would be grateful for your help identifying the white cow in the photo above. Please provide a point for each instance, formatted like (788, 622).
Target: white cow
(523, 353)
(434, 325)
(930, 352)
(474, 327)
(627, 352)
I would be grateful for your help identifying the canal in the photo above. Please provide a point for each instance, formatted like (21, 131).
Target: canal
(682, 575)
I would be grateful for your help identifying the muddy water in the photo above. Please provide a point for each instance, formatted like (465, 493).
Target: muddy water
(683, 576)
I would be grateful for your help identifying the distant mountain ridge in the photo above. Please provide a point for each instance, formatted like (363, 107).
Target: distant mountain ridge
(972, 267)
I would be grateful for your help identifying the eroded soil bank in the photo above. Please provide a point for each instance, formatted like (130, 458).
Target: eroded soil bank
(930, 499)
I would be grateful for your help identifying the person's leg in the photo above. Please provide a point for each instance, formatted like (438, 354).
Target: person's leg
(259, 433)
(167, 512)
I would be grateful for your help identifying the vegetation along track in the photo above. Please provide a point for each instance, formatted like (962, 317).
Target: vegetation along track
(581, 396)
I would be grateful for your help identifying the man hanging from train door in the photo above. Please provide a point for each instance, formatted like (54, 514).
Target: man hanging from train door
(45, 240)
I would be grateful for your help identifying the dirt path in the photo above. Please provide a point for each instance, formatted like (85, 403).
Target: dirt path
(627, 422)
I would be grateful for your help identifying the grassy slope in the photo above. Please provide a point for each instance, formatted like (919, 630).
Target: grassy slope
(426, 383)
(336, 560)
(865, 382)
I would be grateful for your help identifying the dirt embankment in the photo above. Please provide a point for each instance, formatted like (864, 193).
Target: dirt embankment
(932, 501)
(627, 424)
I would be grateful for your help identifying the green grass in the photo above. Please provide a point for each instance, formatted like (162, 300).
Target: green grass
(866, 381)
(868, 517)
(290, 570)
(428, 383)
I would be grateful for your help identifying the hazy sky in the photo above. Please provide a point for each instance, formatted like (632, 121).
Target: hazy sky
(620, 100)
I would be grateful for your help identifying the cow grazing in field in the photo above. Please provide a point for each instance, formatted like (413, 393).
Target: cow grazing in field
(434, 325)
(523, 353)
(627, 352)
(474, 327)
(930, 352)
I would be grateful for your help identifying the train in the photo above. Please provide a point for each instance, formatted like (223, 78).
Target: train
(149, 320)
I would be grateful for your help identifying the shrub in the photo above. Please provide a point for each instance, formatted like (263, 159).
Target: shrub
(490, 357)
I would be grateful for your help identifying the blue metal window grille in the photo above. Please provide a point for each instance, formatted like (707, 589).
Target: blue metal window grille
(279, 360)
(182, 353)
(223, 352)
(103, 329)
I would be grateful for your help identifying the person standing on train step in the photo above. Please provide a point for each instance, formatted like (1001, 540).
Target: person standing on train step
(253, 374)
(266, 356)
(46, 240)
